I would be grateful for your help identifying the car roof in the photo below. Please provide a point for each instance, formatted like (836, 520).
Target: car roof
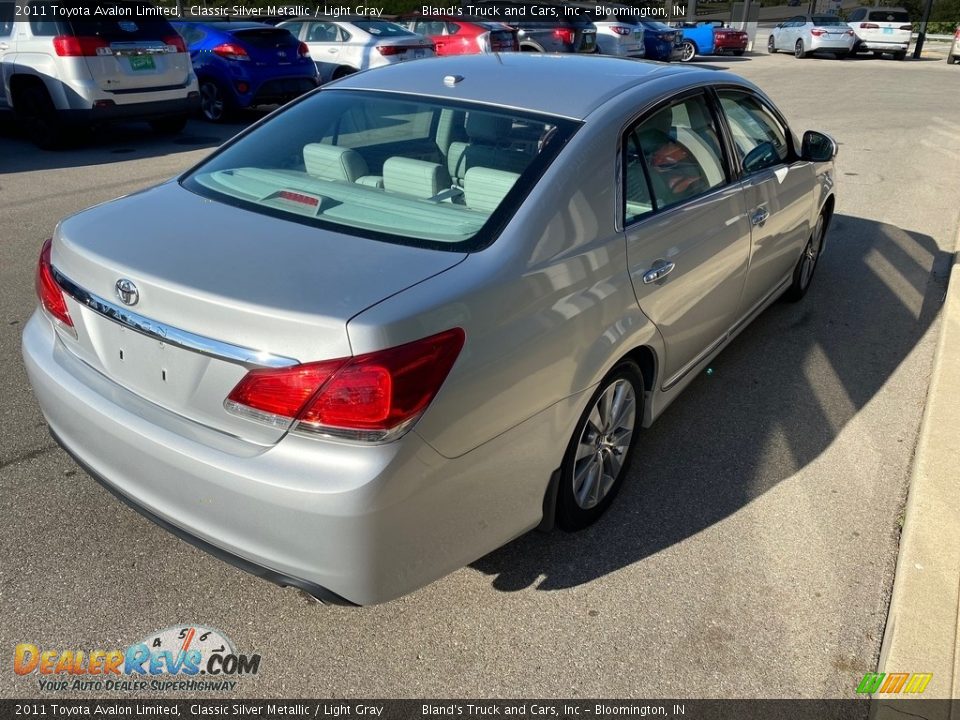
(569, 86)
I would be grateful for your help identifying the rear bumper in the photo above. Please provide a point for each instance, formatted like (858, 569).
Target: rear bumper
(281, 90)
(719, 47)
(878, 46)
(108, 113)
(346, 523)
(832, 44)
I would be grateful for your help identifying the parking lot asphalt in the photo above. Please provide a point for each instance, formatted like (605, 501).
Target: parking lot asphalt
(750, 554)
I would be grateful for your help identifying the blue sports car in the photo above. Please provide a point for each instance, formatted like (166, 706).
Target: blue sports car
(697, 39)
(243, 64)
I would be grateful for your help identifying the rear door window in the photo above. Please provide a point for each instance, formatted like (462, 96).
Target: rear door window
(672, 156)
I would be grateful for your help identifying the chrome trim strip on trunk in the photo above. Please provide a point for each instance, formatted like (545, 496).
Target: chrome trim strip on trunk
(169, 334)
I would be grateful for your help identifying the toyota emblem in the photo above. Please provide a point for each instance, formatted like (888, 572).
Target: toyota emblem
(127, 292)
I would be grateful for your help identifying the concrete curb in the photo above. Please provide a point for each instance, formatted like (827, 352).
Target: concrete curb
(923, 626)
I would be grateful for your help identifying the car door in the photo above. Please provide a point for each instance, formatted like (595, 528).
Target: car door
(777, 187)
(688, 240)
(789, 34)
(322, 38)
(7, 49)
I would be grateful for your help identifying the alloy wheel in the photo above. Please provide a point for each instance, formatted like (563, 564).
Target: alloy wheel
(604, 443)
(689, 51)
(811, 254)
(211, 101)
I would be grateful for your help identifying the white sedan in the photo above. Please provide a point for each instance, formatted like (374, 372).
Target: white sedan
(343, 47)
(806, 34)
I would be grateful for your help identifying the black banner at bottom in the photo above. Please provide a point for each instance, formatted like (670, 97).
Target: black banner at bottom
(479, 709)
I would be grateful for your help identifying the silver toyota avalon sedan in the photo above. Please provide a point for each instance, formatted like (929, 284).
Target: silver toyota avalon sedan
(422, 310)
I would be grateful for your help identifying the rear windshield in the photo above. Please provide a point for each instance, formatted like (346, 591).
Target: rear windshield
(381, 28)
(894, 16)
(654, 25)
(136, 24)
(828, 21)
(387, 166)
(266, 37)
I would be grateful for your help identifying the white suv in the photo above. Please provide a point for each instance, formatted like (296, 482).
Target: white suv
(59, 72)
(881, 30)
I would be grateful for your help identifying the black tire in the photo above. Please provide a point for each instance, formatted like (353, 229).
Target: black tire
(798, 50)
(601, 453)
(39, 117)
(216, 104)
(689, 51)
(901, 55)
(342, 71)
(807, 264)
(841, 55)
(169, 125)
(771, 45)
(739, 53)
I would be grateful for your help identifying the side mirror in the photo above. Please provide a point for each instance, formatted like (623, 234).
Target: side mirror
(762, 156)
(818, 147)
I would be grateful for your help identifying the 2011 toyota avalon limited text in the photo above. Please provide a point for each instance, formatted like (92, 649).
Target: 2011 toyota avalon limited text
(422, 310)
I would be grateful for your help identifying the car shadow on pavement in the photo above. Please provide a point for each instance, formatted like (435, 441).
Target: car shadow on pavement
(113, 143)
(772, 402)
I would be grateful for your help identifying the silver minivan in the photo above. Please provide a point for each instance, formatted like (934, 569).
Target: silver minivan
(59, 71)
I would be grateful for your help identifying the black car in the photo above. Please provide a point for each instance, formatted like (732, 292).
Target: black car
(541, 27)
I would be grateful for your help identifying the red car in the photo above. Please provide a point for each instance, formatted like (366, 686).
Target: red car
(456, 36)
(729, 40)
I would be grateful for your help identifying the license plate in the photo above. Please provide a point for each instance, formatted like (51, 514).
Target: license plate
(142, 62)
(418, 53)
(888, 31)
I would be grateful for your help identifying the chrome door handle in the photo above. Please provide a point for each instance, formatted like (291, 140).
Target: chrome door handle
(3, 46)
(759, 216)
(658, 273)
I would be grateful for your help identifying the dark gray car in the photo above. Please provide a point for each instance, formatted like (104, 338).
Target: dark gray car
(544, 28)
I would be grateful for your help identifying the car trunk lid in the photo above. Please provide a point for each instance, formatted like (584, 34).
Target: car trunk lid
(220, 290)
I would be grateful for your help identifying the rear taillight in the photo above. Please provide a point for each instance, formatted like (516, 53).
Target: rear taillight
(817, 32)
(175, 41)
(621, 29)
(906, 27)
(869, 26)
(387, 50)
(231, 51)
(77, 45)
(49, 292)
(565, 35)
(373, 397)
(957, 34)
(303, 51)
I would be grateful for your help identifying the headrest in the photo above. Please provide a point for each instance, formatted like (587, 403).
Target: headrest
(484, 127)
(330, 162)
(485, 188)
(418, 178)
